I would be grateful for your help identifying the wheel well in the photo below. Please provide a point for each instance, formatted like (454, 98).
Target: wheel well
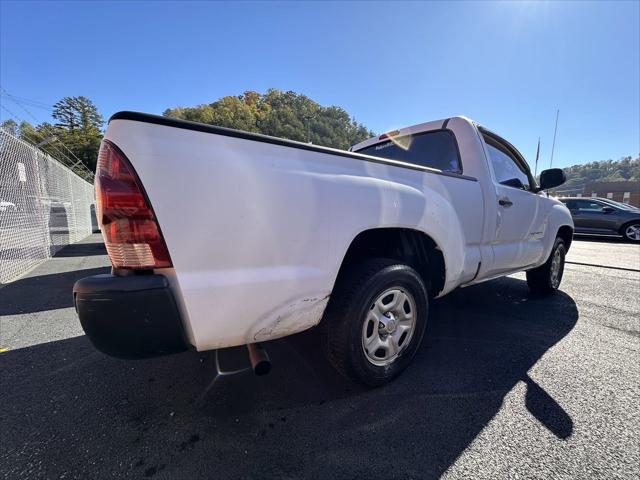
(408, 246)
(566, 234)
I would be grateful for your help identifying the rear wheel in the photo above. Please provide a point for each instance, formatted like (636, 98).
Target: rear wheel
(546, 278)
(375, 321)
(631, 232)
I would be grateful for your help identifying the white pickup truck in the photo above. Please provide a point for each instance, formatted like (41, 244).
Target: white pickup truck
(220, 238)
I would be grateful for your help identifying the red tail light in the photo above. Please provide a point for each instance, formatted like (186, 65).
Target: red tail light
(129, 227)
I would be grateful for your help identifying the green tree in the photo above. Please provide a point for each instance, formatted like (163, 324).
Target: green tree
(11, 126)
(279, 114)
(77, 113)
(78, 126)
(625, 169)
(76, 135)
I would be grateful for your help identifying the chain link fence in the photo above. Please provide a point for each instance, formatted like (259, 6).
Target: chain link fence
(43, 207)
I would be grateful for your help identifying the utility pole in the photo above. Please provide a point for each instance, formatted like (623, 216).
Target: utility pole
(535, 172)
(553, 147)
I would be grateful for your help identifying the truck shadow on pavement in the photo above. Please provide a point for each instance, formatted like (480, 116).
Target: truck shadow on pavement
(68, 409)
(82, 250)
(40, 293)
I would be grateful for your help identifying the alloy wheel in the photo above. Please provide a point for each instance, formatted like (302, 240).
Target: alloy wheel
(388, 326)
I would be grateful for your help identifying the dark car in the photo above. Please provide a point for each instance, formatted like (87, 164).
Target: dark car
(604, 217)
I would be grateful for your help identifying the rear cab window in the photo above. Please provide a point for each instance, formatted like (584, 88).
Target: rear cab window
(435, 149)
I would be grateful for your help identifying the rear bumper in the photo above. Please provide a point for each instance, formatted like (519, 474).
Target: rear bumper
(130, 317)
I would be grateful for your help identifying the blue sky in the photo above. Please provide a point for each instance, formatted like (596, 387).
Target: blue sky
(506, 65)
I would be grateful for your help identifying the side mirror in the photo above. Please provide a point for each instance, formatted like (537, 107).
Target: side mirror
(551, 178)
(608, 209)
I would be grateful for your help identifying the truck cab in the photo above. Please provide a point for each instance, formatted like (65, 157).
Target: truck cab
(508, 190)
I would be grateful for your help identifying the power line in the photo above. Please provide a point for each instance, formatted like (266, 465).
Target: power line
(61, 155)
(13, 97)
(34, 140)
(30, 102)
(10, 97)
(50, 132)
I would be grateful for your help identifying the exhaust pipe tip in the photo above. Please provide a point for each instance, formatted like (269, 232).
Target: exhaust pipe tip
(262, 368)
(260, 363)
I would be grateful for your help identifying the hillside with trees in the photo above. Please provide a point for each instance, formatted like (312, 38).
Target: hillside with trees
(77, 130)
(280, 114)
(621, 170)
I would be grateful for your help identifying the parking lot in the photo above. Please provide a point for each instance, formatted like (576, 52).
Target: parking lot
(505, 385)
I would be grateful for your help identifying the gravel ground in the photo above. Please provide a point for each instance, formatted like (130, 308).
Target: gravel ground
(504, 386)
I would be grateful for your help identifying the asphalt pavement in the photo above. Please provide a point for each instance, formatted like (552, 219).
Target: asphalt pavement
(505, 385)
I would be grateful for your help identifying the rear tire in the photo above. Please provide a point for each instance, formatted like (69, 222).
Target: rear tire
(631, 232)
(546, 279)
(375, 321)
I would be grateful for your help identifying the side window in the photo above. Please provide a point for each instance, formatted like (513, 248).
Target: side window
(507, 170)
(436, 149)
(571, 204)
(587, 206)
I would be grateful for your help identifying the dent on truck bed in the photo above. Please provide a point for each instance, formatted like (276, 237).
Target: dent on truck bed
(291, 317)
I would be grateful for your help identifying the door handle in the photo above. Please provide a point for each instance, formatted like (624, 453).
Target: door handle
(505, 202)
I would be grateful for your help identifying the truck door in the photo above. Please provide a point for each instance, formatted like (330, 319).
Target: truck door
(519, 227)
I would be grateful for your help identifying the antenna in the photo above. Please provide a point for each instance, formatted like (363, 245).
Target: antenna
(553, 147)
(535, 172)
